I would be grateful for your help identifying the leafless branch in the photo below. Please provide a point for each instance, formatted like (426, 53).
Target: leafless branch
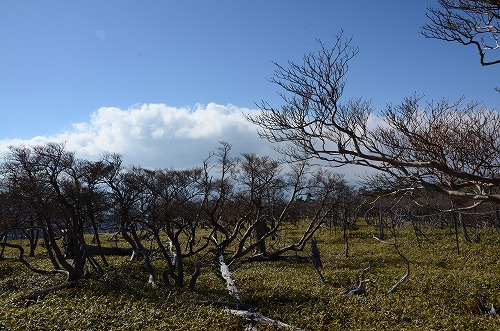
(396, 247)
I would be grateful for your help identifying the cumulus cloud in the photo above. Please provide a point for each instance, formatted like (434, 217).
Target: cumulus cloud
(156, 135)
(160, 136)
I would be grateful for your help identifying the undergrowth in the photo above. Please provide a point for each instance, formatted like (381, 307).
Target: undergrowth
(438, 294)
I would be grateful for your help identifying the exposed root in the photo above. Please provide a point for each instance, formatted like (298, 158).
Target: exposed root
(40, 294)
(20, 258)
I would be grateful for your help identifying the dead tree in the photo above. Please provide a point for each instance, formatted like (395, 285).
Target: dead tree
(361, 288)
(252, 318)
(239, 308)
(396, 247)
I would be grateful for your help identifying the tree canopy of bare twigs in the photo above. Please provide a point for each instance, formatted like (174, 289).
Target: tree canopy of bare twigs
(453, 148)
(179, 216)
(468, 22)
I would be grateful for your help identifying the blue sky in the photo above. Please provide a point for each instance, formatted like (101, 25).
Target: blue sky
(162, 81)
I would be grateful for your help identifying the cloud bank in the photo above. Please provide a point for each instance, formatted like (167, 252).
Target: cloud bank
(159, 136)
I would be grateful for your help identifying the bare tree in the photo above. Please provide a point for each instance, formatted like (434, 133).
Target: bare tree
(234, 210)
(261, 183)
(249, 202)
(175, 198)
(45, 174)
(17, 216)
(48, 183)
(468, 22)
(447, 147)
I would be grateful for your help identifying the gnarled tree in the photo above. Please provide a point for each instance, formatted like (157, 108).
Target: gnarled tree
(447, 147)
(468, 22)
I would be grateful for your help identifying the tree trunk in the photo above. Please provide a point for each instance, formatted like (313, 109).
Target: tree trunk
(79, 258)
(98, 240)
(48, 248)
(260, 231)
(345, 224)
(455, 222)
(32, 235)
(464, 228)
(381, 223)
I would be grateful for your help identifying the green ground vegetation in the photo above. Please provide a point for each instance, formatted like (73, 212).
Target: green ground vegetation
(438, 294)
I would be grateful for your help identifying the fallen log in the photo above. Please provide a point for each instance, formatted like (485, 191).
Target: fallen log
(255, 318)
(228, 278)
(239, 308)
(229, 305)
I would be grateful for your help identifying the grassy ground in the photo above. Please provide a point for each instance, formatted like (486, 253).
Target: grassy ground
(437, 295)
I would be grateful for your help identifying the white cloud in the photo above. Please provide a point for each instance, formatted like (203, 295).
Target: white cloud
(156, 135)
(159, 136)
